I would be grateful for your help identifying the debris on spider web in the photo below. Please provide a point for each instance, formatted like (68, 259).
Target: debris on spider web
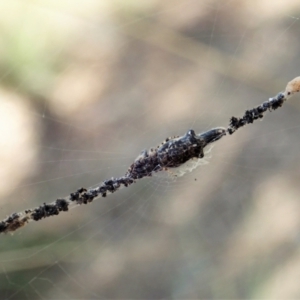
(177, 155)
(272, 104)
(172, 153)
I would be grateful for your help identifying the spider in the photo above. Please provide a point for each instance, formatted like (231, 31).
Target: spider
(173, 152)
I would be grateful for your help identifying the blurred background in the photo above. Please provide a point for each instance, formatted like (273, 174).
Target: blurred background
(85, 86)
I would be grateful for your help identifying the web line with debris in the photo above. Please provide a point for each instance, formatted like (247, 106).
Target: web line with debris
(172, 153)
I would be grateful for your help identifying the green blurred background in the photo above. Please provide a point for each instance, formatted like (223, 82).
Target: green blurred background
(86, 85)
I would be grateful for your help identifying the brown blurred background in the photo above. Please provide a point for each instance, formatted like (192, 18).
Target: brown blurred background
(86, 85)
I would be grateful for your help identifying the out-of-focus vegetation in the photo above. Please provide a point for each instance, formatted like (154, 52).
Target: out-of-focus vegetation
(86, 85)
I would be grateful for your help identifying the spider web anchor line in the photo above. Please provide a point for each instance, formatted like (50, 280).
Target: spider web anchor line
(172, 153)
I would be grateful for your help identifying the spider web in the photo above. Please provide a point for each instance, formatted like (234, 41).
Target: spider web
(86, 86)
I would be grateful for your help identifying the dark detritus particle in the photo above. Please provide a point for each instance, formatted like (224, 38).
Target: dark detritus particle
(109, 184)
(62, 204)
(87, 197)
(77, 195)
(102, 190)
(3, 226)
(44, 211)
(74, 196)
(81, 190)
(13, 222)
(17, 223)
(12, 218)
